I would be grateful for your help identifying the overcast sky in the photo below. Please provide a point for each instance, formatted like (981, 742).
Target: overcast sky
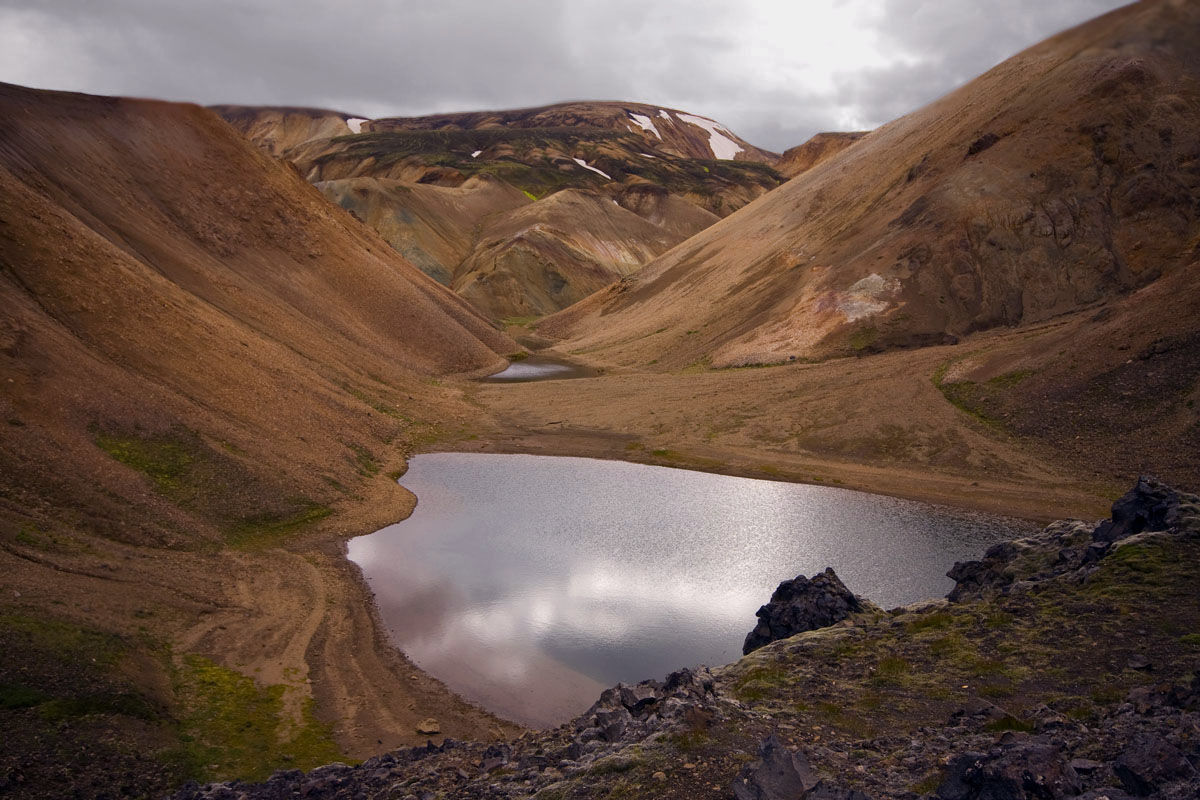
(773, 71)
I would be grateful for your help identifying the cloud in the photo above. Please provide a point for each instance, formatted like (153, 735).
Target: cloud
(775, 71)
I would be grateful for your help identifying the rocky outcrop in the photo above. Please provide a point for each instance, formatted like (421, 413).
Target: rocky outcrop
(802, 604)
(1075, 547)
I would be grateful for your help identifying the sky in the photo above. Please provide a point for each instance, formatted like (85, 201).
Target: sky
(773, 71)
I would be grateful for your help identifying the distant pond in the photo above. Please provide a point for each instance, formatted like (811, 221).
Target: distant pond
(528, 584)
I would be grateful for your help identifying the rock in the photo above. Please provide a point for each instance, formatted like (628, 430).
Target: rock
(1149, 506)
(638, 697)
(1085, 766)
(1150, 762)
(660, 776)
(802, 604)
(978, 708)
(1028, 769)
(428, 727)
(1139, 662)
(827, 791)
(779, 774)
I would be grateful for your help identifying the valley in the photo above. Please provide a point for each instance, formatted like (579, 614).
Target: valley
(226, 330)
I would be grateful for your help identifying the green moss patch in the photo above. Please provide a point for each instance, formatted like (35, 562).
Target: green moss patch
(233, 728)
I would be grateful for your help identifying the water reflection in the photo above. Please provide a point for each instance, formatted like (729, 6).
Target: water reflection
(529, 583)
(539, 368)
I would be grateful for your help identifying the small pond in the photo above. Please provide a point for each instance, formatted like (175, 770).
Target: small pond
(539, 368)
(528, 584)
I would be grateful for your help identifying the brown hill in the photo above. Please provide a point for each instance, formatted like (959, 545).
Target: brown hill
(646, 166)
(820, 147)
(546, 255)
(200, 356)
(278, 129)
(434, 227)
(1066, 176)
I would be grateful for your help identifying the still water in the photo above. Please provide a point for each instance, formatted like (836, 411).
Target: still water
(528, 584)
(539, 368)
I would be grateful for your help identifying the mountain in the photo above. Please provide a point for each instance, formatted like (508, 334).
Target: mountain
(1065, 177)
(546, 255)
(820, 147)
(678, 171)
(201, 358)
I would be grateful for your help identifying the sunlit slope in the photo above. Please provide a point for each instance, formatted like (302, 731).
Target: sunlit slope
(1064, 177)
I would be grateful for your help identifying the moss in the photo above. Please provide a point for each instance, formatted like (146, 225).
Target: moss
(1190, 639)
(529, 194)
(14, 695)
(266, 530)
(1009, 723)
(364, 461)
(166, 460)
(518, 356)
(862, 338)
(233, 728)
(937, 620)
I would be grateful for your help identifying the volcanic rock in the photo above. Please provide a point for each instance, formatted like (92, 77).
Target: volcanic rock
(802, 604)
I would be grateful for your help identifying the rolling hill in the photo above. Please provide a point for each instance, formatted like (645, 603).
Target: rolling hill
(1063, 178)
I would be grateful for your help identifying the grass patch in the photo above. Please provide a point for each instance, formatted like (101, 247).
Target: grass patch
(519, 322)
(938, 620)
(1190, 639)
(264, 530)
(1009, 723)
(519, 356)
(165, 460)
(759, 682)
(14, 695)
(233, 728)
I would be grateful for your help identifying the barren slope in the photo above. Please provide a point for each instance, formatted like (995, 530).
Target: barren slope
(804, 157)
(201, 358)
(665, 171)
(1066, 176)
(546, 255)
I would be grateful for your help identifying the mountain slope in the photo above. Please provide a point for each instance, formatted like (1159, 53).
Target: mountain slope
(663, 170)
(546, 255)
(1066, 176)
(201, 357)
(820, 147)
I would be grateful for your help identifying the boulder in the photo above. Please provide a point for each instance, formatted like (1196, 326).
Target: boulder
(1149, 506)
(778, 774)
(802, 604)
(1032, 768)
(1150, 762)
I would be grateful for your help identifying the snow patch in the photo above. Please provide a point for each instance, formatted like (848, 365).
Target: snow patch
(718, 137)
(476, 154)
(647, 155)
(663, 113)
(355, 124)
(585, 165)
(645, 123)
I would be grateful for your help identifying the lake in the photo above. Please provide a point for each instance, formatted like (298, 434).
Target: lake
(528, 584)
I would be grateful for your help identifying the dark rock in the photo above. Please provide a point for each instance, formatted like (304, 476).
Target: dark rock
(1103, 793)
(779, 774)
(1139, 662)
(495, 756)
(638, 697)
(982, 143)
(1032, 769)
(1085, 766)
(977, 708)
(828, 791)
(802, 605)
(1150, 762)
(1148, 506)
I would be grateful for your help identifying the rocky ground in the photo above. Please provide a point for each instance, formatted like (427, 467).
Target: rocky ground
(1063, 666)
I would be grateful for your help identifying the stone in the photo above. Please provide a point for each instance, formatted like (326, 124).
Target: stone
(1149, 506)
(828, 791)
(428, 727)
(778, 774)
(1150, 762)
(802, 604)
(1027, 769)
(1139, 662)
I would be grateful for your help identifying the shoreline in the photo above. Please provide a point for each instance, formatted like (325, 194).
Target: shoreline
(384, 719)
